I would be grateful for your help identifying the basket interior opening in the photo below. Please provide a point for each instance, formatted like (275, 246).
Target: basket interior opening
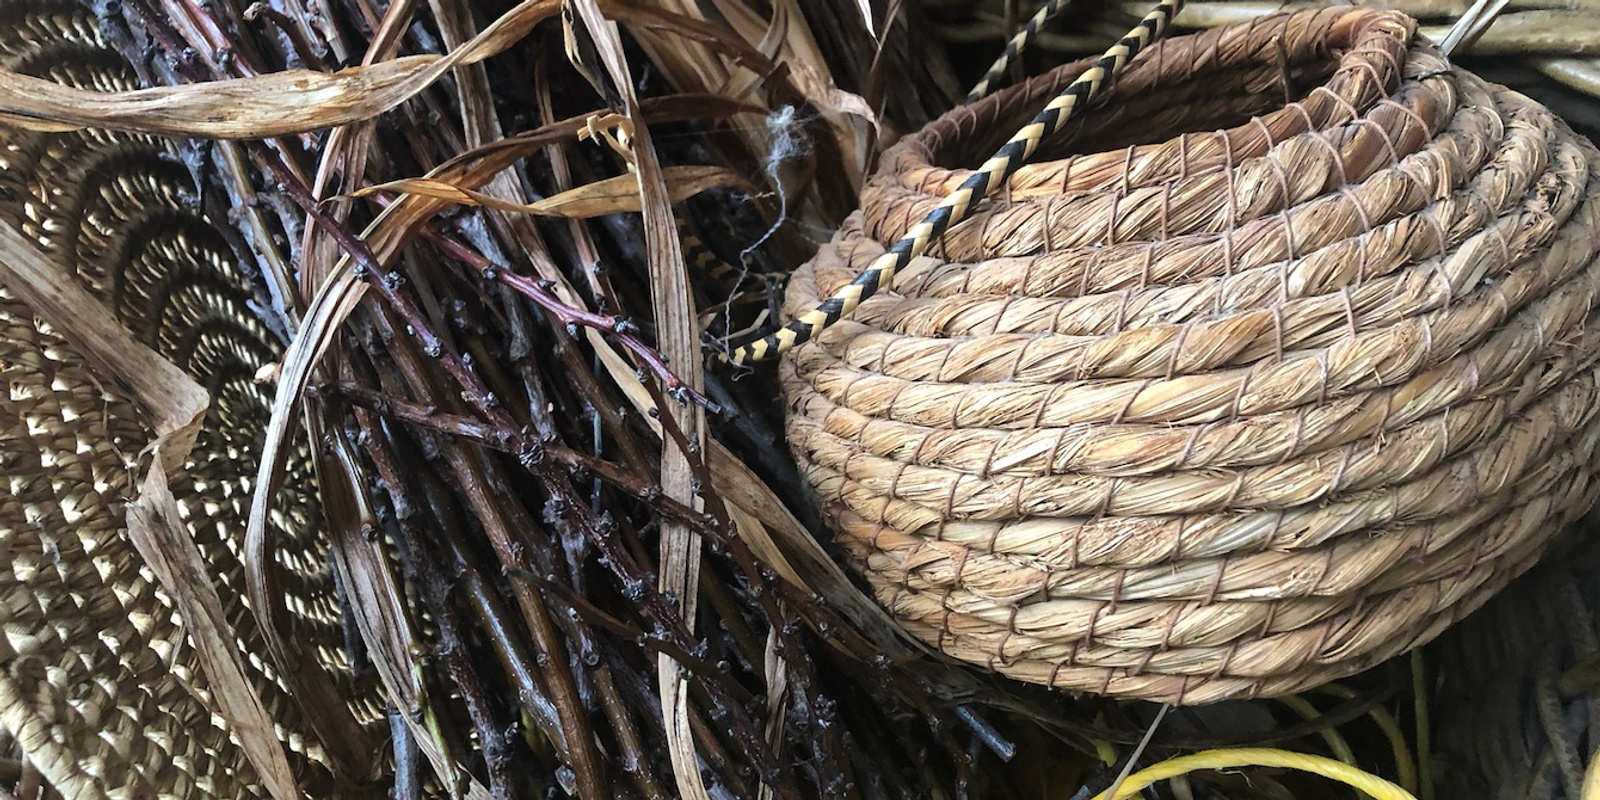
(1209, 100)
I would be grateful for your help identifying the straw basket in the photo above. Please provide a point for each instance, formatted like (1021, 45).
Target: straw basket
(1275, 364)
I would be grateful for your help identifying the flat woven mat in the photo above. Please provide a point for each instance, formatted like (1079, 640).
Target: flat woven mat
(98, 685)
(1277, 363)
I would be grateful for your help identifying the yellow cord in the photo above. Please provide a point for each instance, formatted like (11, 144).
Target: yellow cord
(1419, 699)
(1374, 786)
(1591, 779)
(1404, 764)
(1330, 736)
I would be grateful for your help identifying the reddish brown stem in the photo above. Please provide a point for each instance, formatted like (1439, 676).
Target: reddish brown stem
(426, 416)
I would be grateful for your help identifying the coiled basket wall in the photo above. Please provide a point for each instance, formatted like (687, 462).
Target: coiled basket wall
(1276, 363)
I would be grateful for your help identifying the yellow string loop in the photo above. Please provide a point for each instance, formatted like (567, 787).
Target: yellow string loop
(1374, 786)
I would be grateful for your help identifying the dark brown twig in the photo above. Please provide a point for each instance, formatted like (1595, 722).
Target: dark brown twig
(621, 330)
(576, 740)
(471, 430)
(308, 52)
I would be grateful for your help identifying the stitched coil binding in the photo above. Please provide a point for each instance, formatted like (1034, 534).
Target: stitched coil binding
(1277, 362)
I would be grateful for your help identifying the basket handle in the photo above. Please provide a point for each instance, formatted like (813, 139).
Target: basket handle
(997, 70)
(959, 205)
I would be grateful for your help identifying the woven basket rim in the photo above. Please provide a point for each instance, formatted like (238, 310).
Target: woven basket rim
(1359, 47)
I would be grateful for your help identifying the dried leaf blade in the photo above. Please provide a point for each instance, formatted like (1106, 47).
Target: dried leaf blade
(615, 195)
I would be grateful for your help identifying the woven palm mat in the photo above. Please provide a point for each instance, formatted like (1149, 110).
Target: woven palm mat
(1191, 416)
(98, 687)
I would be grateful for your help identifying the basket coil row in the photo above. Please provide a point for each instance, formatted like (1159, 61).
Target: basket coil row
(1275, 364)
(99, 686)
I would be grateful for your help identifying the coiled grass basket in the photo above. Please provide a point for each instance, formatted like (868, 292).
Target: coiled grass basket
(1276, 363)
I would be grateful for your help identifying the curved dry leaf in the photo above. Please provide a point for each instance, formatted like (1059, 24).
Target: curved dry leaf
(654, 110)
(865, 7)
(678, 340)
(610, 196)
(434, 188)
(275, 104)
(687, 29)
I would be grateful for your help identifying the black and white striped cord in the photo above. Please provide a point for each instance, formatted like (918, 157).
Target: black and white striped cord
(959, 205)
(1018, 43)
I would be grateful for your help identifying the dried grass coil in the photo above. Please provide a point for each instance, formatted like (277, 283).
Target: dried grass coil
(1278, 362)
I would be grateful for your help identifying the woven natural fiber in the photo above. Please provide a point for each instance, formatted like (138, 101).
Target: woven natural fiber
(1281, 366)
(98, 686)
